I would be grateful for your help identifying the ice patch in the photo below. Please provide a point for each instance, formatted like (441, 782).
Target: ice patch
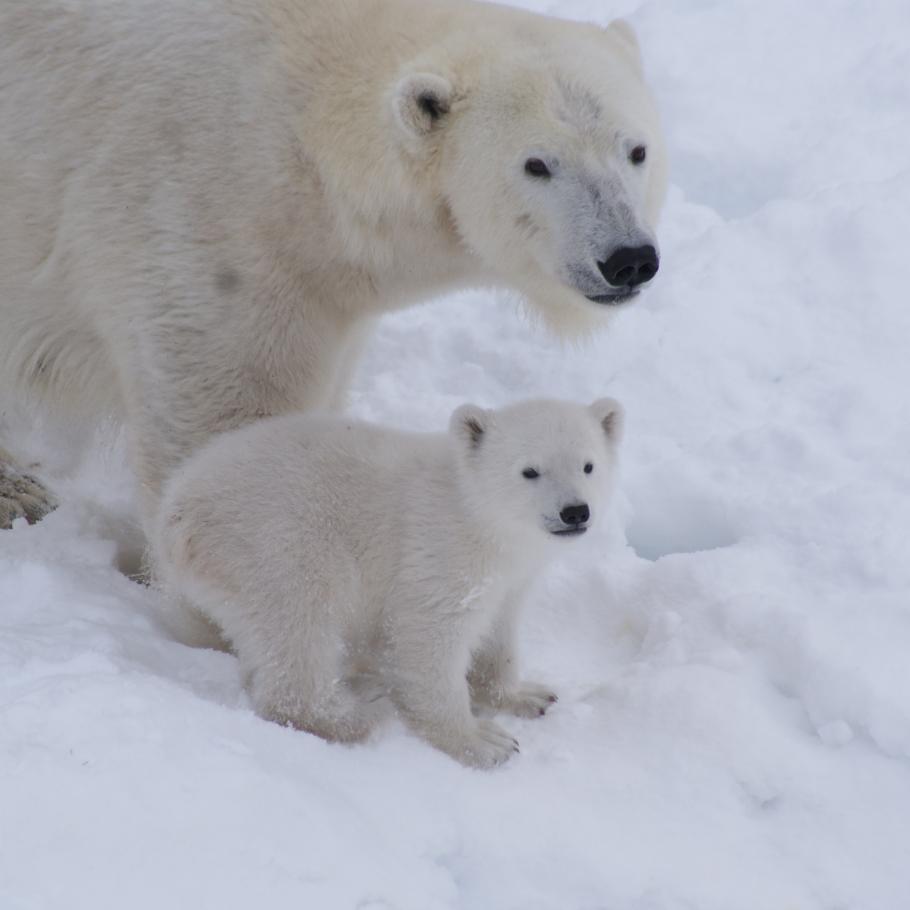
(679, 523)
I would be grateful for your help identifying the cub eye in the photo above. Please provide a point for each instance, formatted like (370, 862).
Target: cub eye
(530, 473)
(638, 154)
(588, 468)
(534, 167)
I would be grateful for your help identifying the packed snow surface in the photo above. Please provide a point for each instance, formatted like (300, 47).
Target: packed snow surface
(733, 661)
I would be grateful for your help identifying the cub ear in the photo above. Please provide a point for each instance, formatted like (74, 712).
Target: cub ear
(421, 102)
(625, 37)
(610, 415)
(469, 423)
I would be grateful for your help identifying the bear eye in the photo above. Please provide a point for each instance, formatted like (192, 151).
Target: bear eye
(638, 154)
(588, 468)
(534, 167)
(530, 473)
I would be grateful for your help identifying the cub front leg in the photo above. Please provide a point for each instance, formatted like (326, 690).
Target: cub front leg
(429, 659)
(493, 675)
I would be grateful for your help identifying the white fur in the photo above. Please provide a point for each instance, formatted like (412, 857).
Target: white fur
(343, 560)
(203, 204)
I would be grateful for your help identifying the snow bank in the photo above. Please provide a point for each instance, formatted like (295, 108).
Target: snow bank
(734, 722)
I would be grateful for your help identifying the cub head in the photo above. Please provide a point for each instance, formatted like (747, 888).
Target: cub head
(548, 154)
(538, 468)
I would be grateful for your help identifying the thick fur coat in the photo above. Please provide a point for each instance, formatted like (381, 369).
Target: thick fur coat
(204, 205)
(344, 562)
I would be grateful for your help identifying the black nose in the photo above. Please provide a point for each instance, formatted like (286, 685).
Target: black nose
(630, 266)
(575, 515)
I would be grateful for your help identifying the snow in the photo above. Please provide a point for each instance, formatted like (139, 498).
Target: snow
(734, 723)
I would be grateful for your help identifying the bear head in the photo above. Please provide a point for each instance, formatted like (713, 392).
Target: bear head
(539, 469)
(548, 154)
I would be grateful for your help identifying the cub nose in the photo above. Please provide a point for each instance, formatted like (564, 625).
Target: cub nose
(630, 266)
(576, 514)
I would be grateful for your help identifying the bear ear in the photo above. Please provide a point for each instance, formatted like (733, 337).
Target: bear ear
(421, 102)
(469, 423)
(610, 415)
(625, 37)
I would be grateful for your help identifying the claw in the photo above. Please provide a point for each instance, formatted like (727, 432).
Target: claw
(21, 495)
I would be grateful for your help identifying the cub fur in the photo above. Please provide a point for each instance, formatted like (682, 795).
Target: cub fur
(343, 561)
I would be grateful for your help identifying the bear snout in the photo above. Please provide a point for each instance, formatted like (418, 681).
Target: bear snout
(575, 517)
(630, 266)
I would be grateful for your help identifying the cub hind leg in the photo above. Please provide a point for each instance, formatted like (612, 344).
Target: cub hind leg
(296, 653)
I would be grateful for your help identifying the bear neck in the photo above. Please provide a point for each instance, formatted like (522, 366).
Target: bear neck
(340, 61)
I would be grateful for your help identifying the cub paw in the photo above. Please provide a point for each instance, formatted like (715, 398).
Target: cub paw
(488, 746)
(529, 700)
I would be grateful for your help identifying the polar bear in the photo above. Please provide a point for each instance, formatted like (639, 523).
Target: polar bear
(336, 556)
(204, 206)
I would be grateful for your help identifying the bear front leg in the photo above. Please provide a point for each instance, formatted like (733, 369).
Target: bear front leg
(429, 660)
(21, 495)
(187, 387)
(350, 353)
(493, 675)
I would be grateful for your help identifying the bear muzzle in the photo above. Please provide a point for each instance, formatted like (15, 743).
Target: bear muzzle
(575, 519)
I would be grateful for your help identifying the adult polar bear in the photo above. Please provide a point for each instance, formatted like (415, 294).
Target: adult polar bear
(202, 205)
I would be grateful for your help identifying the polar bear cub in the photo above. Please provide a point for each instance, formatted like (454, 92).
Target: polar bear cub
(342, 560)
